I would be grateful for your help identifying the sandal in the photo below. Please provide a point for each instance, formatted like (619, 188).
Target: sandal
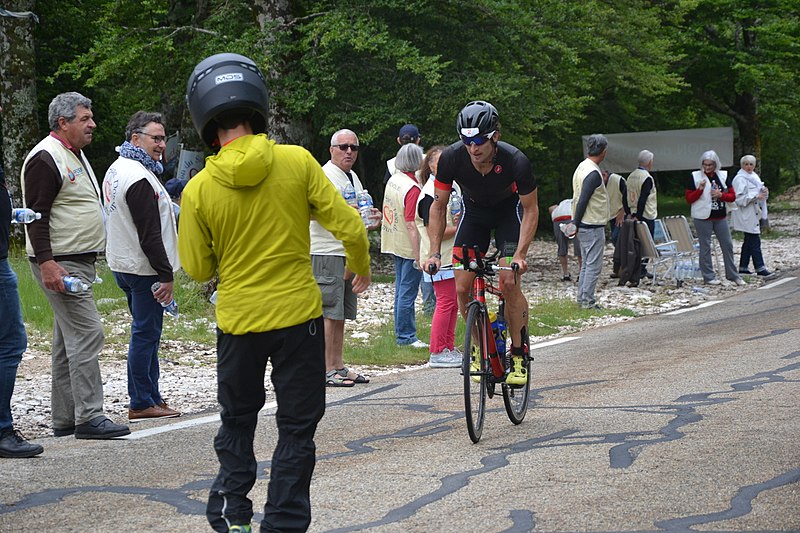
(345, 373)
(333, 379)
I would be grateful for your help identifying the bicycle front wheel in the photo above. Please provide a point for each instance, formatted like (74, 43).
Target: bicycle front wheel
(516, 398)
(474, 369)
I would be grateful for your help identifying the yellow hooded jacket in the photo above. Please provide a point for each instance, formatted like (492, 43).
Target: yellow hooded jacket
(246, 216)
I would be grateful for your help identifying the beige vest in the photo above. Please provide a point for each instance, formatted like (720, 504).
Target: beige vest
(597, 213)
(394, 236)
(635, 181)
(76, 217)
(123, 251)
(424, 240)
(322, 241)
(614, 194)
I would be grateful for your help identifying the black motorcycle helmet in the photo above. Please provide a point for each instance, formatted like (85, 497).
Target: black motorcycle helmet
(226, 84)
(477, 118)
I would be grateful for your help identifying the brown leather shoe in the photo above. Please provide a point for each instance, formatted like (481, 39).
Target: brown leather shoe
(165, 407)
(150, 413)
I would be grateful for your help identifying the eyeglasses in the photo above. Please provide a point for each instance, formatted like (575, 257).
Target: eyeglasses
(344, 147)
(477, 140)
(158, 139)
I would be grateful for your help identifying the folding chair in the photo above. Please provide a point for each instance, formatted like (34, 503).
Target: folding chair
(686, 247)
(663, 254)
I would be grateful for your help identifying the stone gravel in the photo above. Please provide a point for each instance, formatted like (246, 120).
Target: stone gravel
(188, 374)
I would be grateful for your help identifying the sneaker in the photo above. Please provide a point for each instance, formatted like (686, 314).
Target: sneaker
(766, 273)
(566, 278)
(519, 374)
(418, 344)
(14, 445)
(713, 282)
(457, 352)
(240, 529)
(745, 272)
(151, 413)
(740, 282)
(445, 359)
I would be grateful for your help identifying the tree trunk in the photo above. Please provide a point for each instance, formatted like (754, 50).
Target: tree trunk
(17, 92)
(281, 125)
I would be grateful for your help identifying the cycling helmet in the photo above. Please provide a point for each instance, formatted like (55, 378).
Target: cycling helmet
(477, 118)
(222, 83)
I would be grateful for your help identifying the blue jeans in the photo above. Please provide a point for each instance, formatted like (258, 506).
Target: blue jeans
(148, 318)
(406, 286)
(13, 340)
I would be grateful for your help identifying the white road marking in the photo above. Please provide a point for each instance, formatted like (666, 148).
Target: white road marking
(696, 307)
(553, 342)
(779, 282)
(136, 435)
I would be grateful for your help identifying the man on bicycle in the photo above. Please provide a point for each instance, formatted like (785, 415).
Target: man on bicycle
(500, 195)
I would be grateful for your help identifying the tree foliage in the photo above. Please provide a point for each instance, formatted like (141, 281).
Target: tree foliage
(555, 69)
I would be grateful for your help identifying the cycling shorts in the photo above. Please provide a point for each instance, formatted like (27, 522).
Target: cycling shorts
(478, 222)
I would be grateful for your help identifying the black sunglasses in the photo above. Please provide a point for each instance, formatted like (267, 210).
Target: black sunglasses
(344, 147)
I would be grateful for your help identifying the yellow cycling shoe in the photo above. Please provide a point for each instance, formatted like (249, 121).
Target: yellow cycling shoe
(475, 366)
(518, 376)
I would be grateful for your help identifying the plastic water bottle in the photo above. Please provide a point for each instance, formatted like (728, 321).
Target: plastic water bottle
(365, 207)
(499, 332)
(569, 229)
(73, 284)
(700, 290)
(349, 193)
(23, 215)
(170, 308)
(455, 205)
(213, 298)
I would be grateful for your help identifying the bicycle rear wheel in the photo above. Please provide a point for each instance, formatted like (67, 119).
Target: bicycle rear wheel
(475, 378)
(516, 398)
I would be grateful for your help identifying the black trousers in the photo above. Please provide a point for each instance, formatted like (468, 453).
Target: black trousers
(298, 377)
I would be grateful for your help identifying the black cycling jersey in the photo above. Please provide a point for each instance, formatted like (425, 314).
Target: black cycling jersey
(511, 174)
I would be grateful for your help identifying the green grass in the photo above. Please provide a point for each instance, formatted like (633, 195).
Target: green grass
(196, 319)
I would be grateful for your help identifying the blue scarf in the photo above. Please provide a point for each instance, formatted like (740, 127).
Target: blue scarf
(129, 151)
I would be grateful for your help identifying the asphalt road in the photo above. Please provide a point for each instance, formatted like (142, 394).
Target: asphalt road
(676, 422)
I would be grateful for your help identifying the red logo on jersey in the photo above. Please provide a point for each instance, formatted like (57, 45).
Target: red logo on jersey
(498, 169)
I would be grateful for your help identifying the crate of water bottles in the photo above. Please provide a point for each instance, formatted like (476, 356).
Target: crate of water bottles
(687, 269)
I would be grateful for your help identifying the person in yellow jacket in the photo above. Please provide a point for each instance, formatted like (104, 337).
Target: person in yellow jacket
(245, 216)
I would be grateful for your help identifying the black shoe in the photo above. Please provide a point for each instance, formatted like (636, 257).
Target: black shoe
(566, 278)
(63, 432)
(647, 275)
(13, 444)
(745, 271)
(766, 273)
(100, 427)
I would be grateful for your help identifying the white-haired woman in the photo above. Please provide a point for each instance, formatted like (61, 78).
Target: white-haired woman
(751, 195)
(707, 192)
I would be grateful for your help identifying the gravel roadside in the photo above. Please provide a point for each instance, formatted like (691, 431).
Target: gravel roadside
(188, 374)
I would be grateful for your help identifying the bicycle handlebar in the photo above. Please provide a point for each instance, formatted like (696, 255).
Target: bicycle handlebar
(480, 265)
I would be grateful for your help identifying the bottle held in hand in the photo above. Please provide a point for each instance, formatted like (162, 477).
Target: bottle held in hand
(23, 215)
(365, 205)
(569, 229)
(349, 193)
(73, 284)
(170, 308)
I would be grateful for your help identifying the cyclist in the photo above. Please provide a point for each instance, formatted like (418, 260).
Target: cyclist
(500, 195)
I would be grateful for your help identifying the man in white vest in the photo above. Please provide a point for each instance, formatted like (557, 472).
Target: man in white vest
(642, 195)
(59, 183)
(142, 252)
(328, 263)
(590, 215)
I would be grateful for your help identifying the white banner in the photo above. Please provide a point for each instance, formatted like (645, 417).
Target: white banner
(673, 149)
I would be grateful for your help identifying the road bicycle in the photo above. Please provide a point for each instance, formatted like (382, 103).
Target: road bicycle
(483, 367)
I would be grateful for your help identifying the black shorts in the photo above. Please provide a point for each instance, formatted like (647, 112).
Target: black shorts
(478, 222)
